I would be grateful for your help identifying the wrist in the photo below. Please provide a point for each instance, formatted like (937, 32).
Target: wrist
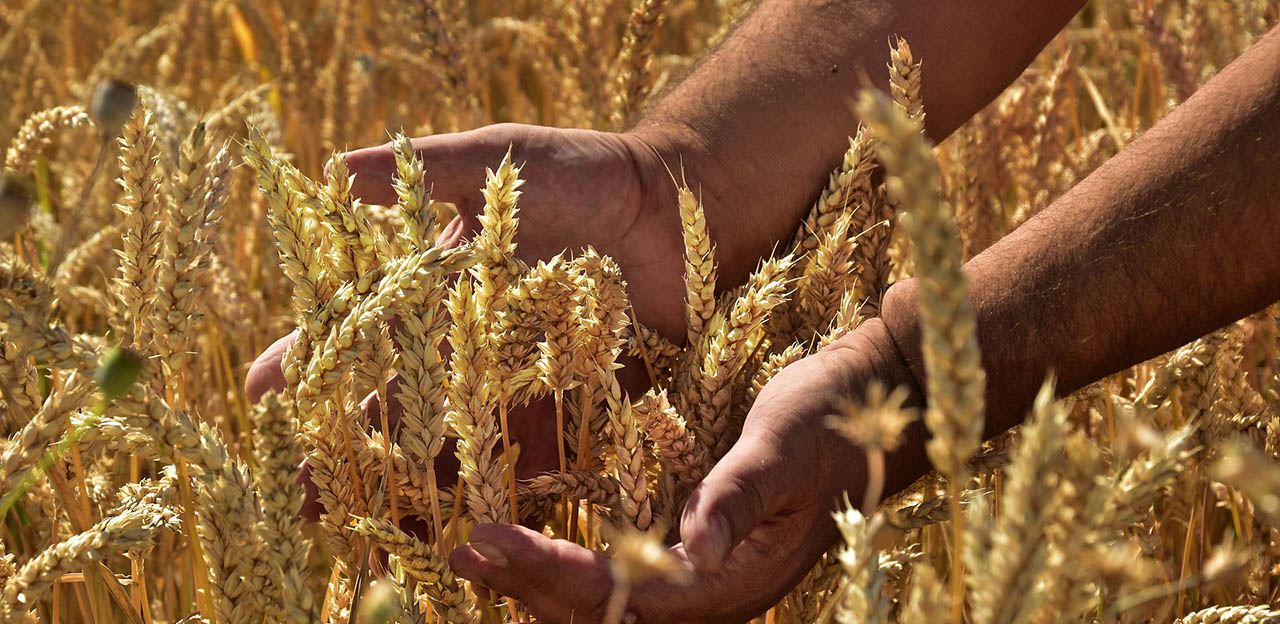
(873, 346)
(666, 155)
(670, 153)
(870, 353)
(889, 347)
(899, 317)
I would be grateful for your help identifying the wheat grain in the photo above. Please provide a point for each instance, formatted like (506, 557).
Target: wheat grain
(1259, 614)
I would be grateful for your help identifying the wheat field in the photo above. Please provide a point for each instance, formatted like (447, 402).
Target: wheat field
(174, 200)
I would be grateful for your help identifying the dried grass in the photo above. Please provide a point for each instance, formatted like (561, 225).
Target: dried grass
(1136, 499)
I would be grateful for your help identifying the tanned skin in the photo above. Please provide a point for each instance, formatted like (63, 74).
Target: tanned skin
(1174, 237)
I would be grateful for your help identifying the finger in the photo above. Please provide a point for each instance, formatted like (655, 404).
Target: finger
(454, 165)
(462, 228)
(311, 505)
(759, 572)
(266, 373)
(561, 582)
(557, 580)
(755, 480)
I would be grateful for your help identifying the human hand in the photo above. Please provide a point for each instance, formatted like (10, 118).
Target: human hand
(582, 188)
(751, 530)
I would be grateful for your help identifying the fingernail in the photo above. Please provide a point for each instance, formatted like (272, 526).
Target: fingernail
(719, 528)
(490, 551)
(711, 557)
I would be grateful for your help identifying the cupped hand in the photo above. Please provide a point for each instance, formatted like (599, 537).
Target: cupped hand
(752, 528)
(582, 188)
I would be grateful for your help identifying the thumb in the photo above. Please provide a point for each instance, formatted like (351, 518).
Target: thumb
(744, 489)
(454, 165)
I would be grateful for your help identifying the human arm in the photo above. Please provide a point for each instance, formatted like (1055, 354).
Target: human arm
(1140, 257)
(755, 129)
(757, 176)
(1174, 237)
(760, 123)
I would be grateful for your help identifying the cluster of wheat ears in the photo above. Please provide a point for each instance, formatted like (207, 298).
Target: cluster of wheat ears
(137, 482)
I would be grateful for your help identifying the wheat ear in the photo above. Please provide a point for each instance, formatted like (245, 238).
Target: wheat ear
(37, 576)
(36, 135)
(629, 453)
(20, 383)
(25, 301)
(228, 515)
(595, 488)
(633, 73)
(699, 265)
(293, 236)
(1254, 614)
(904, 81)
(845, 190)
(677, 447)
(470, 410)
(726, 351)
(420, 214)
(954, 379)
(424, 566)
(276, 453)
(1002, 590)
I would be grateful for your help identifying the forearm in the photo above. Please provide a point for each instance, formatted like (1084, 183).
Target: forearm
(763, 120)
(1174, 237)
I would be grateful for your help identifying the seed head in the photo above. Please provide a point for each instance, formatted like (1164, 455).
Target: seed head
(120, 369)
(112, 104)
(877, 422)
(642, 556)
(380, 604)
(16, 197)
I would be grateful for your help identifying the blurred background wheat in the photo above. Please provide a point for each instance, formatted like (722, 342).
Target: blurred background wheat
(164, 191)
